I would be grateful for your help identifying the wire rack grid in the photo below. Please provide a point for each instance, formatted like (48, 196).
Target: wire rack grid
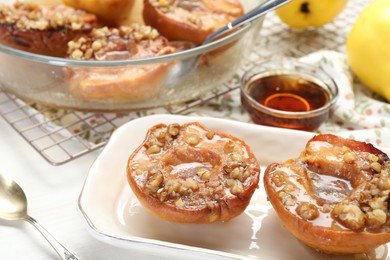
(61, 136)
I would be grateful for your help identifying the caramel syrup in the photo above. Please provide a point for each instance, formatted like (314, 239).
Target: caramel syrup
(288, 93)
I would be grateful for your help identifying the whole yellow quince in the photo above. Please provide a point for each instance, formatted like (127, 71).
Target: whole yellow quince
(368, 47)
(302, 14)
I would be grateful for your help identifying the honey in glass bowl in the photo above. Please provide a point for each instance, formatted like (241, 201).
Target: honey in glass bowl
(288, 94)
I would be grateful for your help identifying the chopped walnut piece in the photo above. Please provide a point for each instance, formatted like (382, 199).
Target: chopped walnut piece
(376, 218)
(193, 139)
(179, 203)
(287, 198)
(279, 178)
(204, 174)
(154, 182)
(289, 187)
(235, 186)
(379, 203)
(307, 211)
(237, 173)
(173, 129)
(191, 184)
(349, 215)
(153, 149)
(210, 135)
(229, 147)
(349, 157)
(376, 166)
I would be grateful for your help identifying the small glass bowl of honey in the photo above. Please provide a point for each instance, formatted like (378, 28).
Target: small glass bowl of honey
(288, 93)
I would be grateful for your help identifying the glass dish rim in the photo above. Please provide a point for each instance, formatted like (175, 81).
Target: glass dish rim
(181, 55)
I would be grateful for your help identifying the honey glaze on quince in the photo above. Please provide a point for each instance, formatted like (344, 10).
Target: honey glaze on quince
(351, 196)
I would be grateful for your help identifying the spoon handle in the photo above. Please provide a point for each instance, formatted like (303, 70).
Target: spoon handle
(253, 14)
(60, 249)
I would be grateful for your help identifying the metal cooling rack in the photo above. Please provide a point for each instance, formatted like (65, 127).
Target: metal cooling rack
(59, 142)
(61, 136)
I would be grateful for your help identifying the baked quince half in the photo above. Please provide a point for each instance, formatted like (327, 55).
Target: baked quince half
(334, 196)
(193, 21)
(189, 173)
(302, 14)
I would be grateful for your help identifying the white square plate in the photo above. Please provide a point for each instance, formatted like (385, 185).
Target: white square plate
(115, 215)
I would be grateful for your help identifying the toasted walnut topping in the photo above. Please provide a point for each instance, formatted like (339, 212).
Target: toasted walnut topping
(76, 54)
(153, 149)
(237, 173)
(376, 166)
(307, 211)
(349, 215)
(38, 17)
(154, 181)
(287, 199)
(236, 157)
(229, 147)
(235, 186)
(191, 184)
(279, 178)
(231, 165)
(192, 139)
(384, 183)
(349, 157)
(98, 44)
(160, 134)
(289, 187)
(373, 157)
(374, 190)
(122, 40)
(378, 203)
(210, 135)
(376, 218)
(173, 129)
(204, 174)
(179, 203)
(172, 186)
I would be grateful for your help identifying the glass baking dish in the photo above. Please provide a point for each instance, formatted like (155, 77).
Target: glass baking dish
(173, 78)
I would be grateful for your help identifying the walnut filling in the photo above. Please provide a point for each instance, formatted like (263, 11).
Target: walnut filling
(33, 16)
(124, 42)
(192, 167)
(336, 186)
